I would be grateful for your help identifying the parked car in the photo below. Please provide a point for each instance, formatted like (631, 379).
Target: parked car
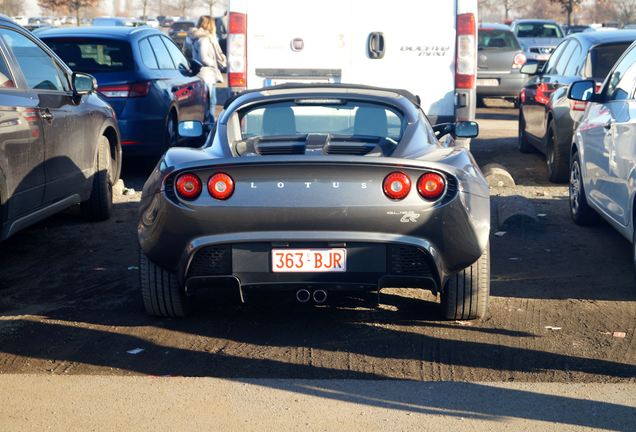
(108, 22)
(547, 118)
(143, 75)
(179, 31)
(59, 141)
(538, 38)
(438, 62)
(499, 61)
(577, 29)
(603, 163)
(312, 188)
(21, 20)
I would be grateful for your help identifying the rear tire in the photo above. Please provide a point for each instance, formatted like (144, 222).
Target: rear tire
(465, 295)
(161, 292)
(524, 144)
(556, 157)
(99, 206)
(580, 210)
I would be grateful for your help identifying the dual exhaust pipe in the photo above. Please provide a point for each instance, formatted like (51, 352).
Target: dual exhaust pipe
(304, 296)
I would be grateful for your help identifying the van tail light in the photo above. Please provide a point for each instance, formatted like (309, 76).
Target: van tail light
(237, 51)
(580, 105)
(188, 186)
(519, 60)
(132, 90)
(396, 185)
(466, 52)
(431, 186)
(221, 186)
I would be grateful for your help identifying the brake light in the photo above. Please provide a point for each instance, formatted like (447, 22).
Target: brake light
(237, 51)
(465, 60)
(132, 90)
(188, 186)
(519, 60)
(522, 95)
(396, 185)
(221, 186)
(431, 186)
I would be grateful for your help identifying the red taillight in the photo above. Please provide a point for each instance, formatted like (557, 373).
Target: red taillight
(396, 185)
(465, 60)
(237, 51)
(519, 60)
(431, 186)
(126, 90)
(188, 186)
(221, 186)
(522, 95)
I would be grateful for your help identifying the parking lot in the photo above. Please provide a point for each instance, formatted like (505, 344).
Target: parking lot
(563, 305)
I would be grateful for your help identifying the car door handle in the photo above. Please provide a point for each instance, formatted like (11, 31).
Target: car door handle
(375, 45)
(45, 114)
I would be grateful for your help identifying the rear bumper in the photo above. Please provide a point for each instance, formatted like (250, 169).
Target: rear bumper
(509, 85)
(141, 136)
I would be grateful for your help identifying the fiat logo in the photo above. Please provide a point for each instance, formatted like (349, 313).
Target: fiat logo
(297, 44)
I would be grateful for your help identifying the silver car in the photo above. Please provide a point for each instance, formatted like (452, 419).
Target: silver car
(538, 38)
(603, 162)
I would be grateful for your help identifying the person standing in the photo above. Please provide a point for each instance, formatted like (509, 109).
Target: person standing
(206, 50)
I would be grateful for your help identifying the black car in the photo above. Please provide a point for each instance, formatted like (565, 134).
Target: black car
(179, 31)
(59, 141)
(547, 117)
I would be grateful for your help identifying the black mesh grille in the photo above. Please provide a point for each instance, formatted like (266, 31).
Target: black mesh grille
(408, 260)
(212, 261)
(348, 149)
(451, 189)
(169, 188)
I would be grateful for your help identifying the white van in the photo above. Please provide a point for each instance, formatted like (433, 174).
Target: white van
(424, 46)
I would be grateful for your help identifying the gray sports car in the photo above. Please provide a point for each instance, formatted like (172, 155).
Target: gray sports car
(312, 189)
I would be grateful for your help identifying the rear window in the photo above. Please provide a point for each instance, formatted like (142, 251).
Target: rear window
(182, 26)
(497, 39)
(601, 59)
(93, 55)
(539, 30)
(319, 122)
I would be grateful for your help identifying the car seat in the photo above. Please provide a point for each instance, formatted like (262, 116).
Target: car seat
(279, 121)
(371, 121)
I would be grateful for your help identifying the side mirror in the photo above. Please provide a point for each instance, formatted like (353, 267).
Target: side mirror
(195, 67)
(190, 129)
(530, 68)
(466, 129)
(83, 83)
(582, 90)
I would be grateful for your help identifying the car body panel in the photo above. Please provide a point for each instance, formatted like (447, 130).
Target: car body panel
(309, 200)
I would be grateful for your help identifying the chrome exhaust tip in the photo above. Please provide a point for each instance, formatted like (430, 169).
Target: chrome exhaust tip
(303, 295)
(320, 296)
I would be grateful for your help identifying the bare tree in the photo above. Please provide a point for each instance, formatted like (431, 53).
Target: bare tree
(569, 7)
(73, 7)
(184, 5)
(505, 6)
(210, 4)
(12, 7)
(625, 10)
(144, 7)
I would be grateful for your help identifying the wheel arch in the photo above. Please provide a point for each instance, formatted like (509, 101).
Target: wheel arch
(109, 130)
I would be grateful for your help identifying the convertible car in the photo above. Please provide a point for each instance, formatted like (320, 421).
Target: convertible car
(312, 189)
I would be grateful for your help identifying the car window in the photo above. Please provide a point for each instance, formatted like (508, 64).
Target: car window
(601, 58)
(562, 63)
(550, 66)
(177, 56)
(182, 25)
(574, 64)
(6, 77)
(147, 55)
(38, 68)
(538, 30)
(621, 81)
(93, 55)
(161, 53)
(494, 39)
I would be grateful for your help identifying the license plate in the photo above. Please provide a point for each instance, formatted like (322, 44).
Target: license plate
(487, 82)
(182, 34)
(309, 260)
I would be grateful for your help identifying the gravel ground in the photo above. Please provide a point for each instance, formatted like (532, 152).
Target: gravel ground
(69, 304)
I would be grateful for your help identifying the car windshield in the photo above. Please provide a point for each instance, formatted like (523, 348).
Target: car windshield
(539, 30)
(93, 55)
(497, 39)
(318, 123)
(601, 59)
(178, 26)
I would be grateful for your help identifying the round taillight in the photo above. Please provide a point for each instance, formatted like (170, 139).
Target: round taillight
(188, 186)
(519, 60)
(221, 186)
(431, 186)
(397, 185)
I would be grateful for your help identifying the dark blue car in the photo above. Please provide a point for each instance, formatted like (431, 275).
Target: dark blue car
(142, 74)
